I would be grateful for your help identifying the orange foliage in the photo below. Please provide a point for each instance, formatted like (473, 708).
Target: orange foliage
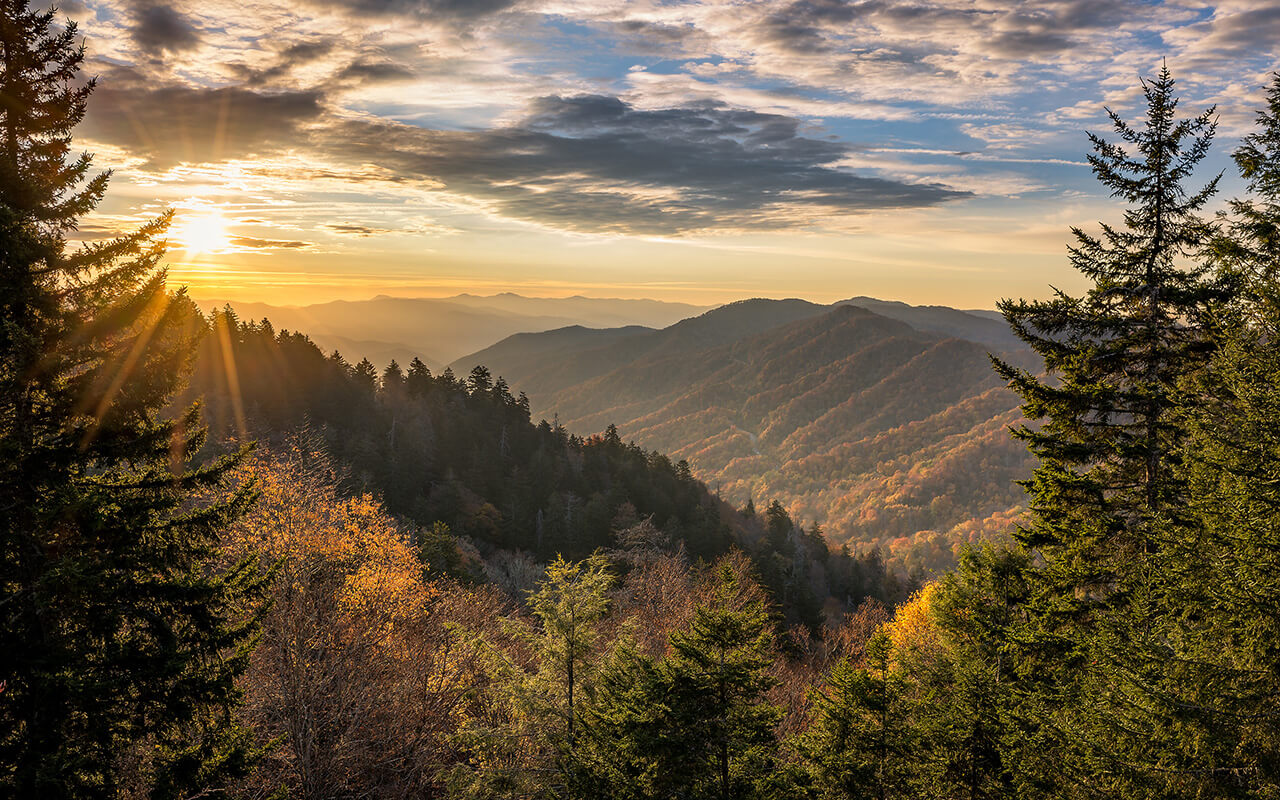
(360, 671)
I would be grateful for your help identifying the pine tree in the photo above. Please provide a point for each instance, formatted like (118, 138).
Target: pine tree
(860, 745)
(1107, 446)
(366, 376)
(419, 378)
(1252, 245)
(969, 744)
(480, 381)
(393, 380)
(695, 725)
(1109, 496)
(119, 644)
(537, 751)
(569, 603)
(624, 729)
(778, 529)
(1233, 464)
(721, 738)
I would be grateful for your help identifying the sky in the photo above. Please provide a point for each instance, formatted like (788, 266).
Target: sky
(699, 151)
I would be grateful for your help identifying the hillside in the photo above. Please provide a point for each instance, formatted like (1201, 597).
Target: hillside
(884, 432)
(546, 363)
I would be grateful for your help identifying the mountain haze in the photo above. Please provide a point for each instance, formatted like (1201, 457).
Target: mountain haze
(438, 330)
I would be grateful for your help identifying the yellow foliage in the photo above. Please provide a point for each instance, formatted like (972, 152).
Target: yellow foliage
(912, 630)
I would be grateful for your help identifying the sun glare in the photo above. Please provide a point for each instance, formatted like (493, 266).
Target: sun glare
(200, 231)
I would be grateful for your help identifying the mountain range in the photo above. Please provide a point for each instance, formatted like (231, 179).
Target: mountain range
(439, 330)
(881, 421)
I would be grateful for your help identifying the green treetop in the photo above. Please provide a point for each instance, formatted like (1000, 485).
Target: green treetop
(1107, 445)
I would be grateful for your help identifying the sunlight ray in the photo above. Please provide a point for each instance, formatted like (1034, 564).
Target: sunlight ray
(233, 378)
(152, 315)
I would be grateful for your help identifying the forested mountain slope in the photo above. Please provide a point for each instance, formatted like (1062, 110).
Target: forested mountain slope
(466, 454)
(886, 433)
(543, 364)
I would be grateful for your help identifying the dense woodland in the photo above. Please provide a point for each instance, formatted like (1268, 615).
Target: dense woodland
(408, 589)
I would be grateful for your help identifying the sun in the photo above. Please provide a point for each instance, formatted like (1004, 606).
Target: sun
(202, 230)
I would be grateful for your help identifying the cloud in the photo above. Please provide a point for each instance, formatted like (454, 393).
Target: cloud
(420, 9)
(738, 116)
(946, 52)
(159, 28)
(253, 243)
(176, 124)
(290, 58)
(1238, 32)
(368, 71)
(68, 8)
(593, 163)
(351, 229)
(655, 30)
(588, 163)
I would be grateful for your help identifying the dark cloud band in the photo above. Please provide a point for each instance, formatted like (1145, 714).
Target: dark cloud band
(173, 125)
(587, 163)
(158, 27)
(593, 163)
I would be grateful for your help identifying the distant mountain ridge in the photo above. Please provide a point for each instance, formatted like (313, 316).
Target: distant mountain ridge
(887, 426)
(438, 330)
(984, 327)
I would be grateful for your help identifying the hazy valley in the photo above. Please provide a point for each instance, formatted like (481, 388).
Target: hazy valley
(881, 421)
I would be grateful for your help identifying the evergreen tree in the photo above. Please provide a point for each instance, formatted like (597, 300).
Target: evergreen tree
(438, 552)
(695, 725)
(1107, 446)
(624, 729)
(570, 602)
(393, 379)
(366, 376)
(721, 737)
(1109, 495)
(778, 529)
(968, 741)
(447, 379)
(860, 745)
(1233, 464)
(543, 705)
(119, 644)
(1252, 245)
(419, 378)
(479, 382)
